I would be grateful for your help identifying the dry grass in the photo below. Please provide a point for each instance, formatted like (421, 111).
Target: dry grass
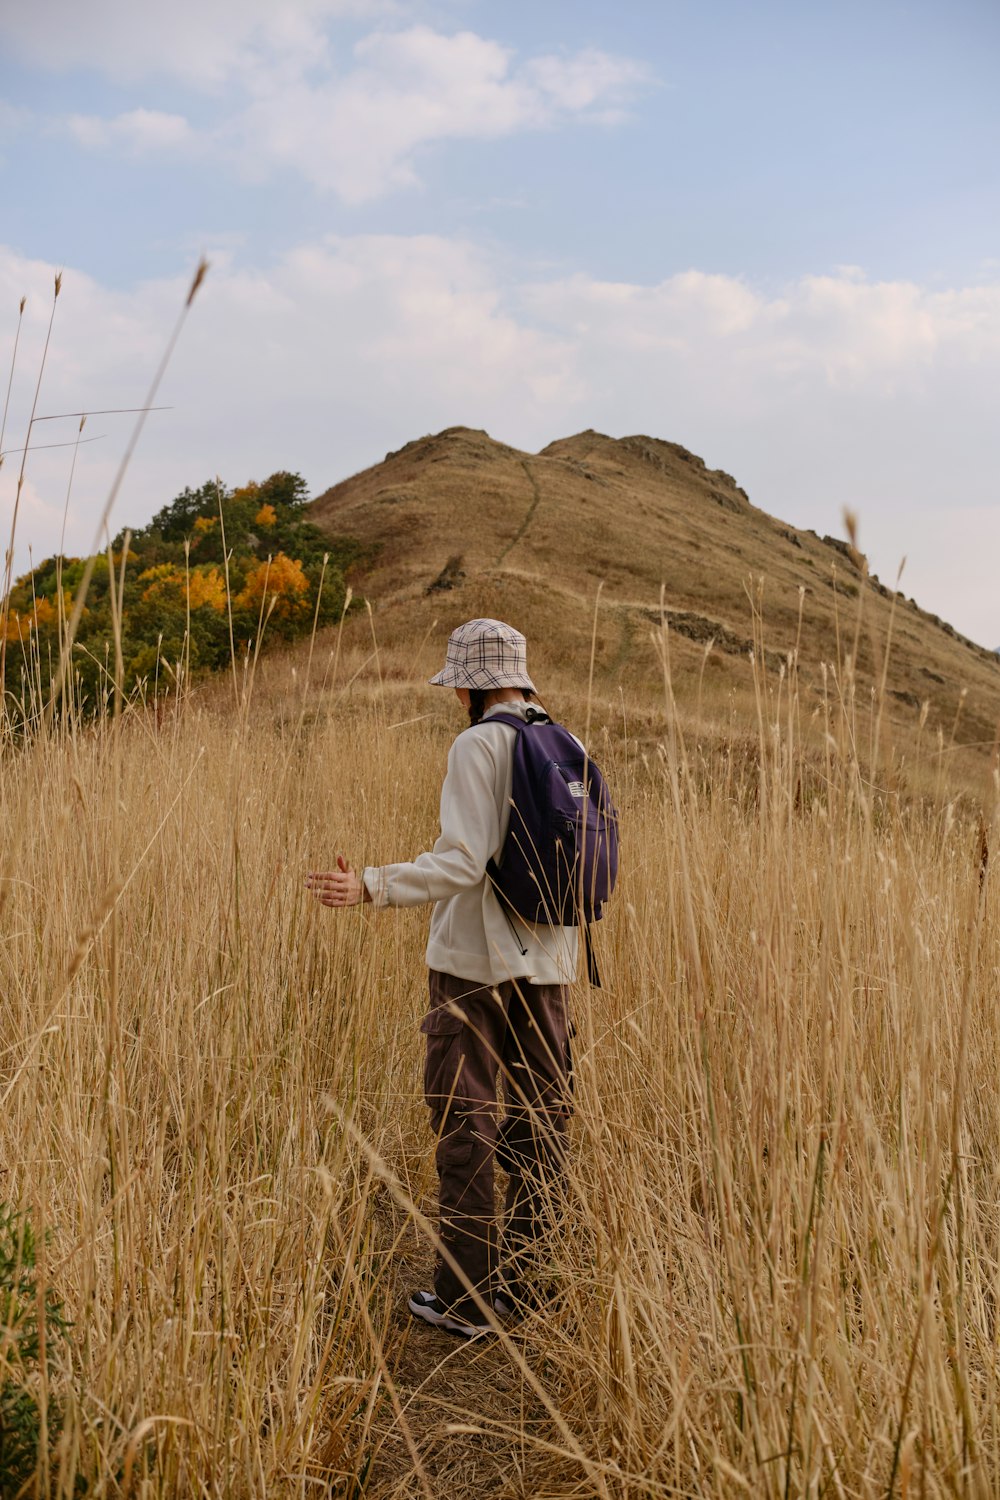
(779, 1263)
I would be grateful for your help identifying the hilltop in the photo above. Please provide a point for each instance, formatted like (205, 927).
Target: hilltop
(460, 524)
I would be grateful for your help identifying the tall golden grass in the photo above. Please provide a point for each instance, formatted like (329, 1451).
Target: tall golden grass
(777, 1264)
(779, 1260)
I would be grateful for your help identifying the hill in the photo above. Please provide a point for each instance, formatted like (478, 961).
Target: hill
(460, 524)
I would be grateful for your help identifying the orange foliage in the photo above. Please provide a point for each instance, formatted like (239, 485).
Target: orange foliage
(208, 587)
(43, 616)
(204, 523)
(18, 626)
(282, 579)
(168, 584)
(248, 491)
(45, 613)
(266, 516)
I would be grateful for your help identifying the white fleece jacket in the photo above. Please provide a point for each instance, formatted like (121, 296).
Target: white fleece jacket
(472, 936)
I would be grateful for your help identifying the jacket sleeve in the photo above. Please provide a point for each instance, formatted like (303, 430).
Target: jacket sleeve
(470, 834)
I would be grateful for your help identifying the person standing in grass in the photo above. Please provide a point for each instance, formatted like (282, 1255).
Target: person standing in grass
(499, 1001)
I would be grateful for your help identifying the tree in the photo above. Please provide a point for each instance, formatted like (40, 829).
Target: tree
(176, 520)
(283, 488)
(280, 578)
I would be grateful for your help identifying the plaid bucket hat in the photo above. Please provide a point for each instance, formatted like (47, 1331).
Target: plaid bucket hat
(485, 654)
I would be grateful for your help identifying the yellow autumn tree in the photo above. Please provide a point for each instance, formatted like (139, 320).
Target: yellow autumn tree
(162, 573)
(266, 516)
(42, 615)
(282, 579)
(169, 585)
(18, 626)
(208, 586)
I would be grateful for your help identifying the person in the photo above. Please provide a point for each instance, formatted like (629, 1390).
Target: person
(498, 1003)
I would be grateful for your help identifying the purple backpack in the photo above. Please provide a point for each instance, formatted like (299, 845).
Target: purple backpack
(560, 857)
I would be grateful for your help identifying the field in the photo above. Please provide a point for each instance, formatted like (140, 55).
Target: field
(779, 1260)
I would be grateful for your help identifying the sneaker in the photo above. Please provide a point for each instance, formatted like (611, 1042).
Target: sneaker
(425, 1305)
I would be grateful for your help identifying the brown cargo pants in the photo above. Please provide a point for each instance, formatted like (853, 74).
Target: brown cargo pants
(519, 1033)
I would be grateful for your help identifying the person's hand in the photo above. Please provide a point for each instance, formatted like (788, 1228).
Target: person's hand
(339, 887)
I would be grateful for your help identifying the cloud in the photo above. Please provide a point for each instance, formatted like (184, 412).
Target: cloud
(201, 44)
(838, 331)
(588, 81)
(359, 132)
(136, 132)
(834, 391)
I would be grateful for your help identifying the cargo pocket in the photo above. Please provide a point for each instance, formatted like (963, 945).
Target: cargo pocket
(454, 1150)
(442, 1065)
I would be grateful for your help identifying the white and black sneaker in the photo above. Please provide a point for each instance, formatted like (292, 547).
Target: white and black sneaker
(425, 1305)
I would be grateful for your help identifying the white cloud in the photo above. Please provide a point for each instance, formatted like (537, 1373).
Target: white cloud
(837, 391)
(136, 132)
(841, 330)
(673, 315)
(204, 44)
(358, 134)
(590, 79)
(287, 103)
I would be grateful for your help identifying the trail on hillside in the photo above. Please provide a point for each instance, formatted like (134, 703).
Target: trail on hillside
(529, 517)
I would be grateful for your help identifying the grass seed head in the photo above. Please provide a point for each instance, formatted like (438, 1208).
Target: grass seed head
(857, 556)
(199, 277)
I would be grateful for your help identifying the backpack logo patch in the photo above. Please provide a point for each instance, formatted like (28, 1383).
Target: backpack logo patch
(577, 789)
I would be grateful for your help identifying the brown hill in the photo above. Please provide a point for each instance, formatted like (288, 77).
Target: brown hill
(461, 525)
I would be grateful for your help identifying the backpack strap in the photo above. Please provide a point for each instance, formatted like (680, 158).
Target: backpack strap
(593, 972)
(533, 716)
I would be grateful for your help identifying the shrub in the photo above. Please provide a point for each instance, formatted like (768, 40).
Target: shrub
(24, 1359)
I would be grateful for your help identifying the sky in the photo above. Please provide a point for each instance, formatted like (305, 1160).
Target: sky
(769, 232)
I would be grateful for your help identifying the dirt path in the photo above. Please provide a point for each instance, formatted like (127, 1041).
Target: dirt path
(536, 496)
(443, 1384)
